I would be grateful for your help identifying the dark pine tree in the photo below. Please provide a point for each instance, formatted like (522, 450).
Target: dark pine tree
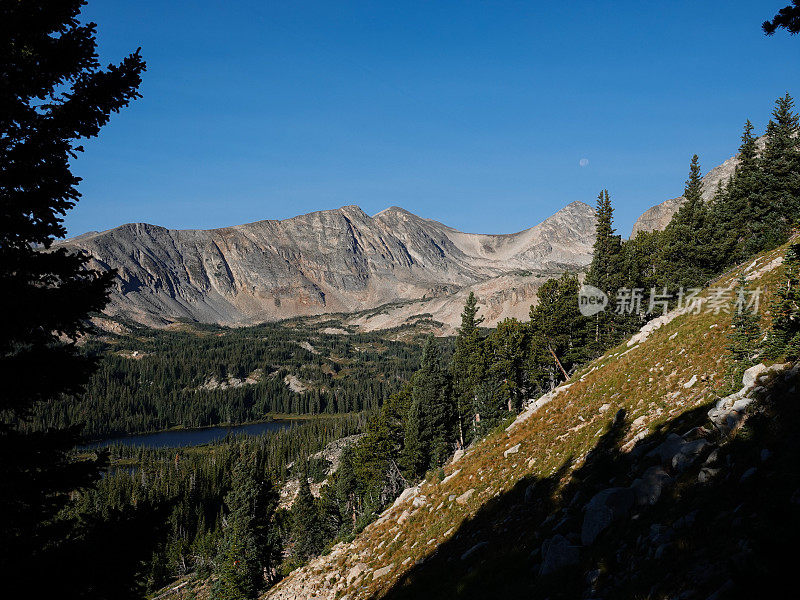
(307, 530)
(784, 336)
(466, 367)
(744, 339)
(53, 93)
(787, 18)
(250, 544)
(683, 260)
(732, 220)
(779, 206)
(432, 417)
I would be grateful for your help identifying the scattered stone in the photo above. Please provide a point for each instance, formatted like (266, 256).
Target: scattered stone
(752, 374)
(355, 572)
(691, 382)
(474, 551)
(747, 474)
(382, 571)
(510, 451)
(403, 517)
(558, 554)
(706, 474)
(604, 408)
(464, 498)
(603, 509)
(450, 477)
(648, 488)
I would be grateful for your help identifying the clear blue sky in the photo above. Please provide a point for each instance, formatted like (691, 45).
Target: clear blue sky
(476, 114)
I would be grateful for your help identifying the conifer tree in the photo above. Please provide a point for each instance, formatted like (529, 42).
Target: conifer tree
(559, 333)
(250, 545)
(732, 213)
(507, 349)
(604, 271)
(787, 18)
(432, 419)
(683, 259)
(53, 94)
(779, 206)
(744, 338)
(784, 336)
(466, 366)
(307, 530)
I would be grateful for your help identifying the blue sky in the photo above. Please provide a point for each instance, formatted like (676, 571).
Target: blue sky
(476, 114)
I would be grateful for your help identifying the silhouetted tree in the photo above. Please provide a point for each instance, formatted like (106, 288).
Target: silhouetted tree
(52, 94)
(787, 18)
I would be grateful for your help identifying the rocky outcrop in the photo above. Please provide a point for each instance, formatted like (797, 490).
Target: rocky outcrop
(332, 261)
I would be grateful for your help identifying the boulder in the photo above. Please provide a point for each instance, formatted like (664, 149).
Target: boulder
(752, 374)
(688, 454)
(475, 550)
(557, 554)
(603, 509)
(648, 488)
(668, 448)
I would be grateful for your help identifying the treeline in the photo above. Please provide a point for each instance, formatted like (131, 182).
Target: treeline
(151, 380)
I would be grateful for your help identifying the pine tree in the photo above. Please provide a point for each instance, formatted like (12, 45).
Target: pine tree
(559, 333)
(307, 530)
(604, 271)
(683, 261)
(466, 367)
(784, 336)
(732, 212)
(250, 545)
(744, 339)
(432, 424)
(53, 94)
(779, 206)
(507, 349)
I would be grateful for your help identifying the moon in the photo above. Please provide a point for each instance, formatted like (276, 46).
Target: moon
(583, 162)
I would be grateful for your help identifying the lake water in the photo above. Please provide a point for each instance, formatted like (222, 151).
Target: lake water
(193, 437)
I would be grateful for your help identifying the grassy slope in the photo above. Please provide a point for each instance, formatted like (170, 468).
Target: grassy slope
(646, 380)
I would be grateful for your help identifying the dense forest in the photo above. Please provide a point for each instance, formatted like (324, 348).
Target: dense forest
(203, 375)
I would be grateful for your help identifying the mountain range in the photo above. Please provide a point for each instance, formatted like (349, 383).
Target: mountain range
(374, 272)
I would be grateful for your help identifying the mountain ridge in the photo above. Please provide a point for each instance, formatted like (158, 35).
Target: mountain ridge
(340, 260)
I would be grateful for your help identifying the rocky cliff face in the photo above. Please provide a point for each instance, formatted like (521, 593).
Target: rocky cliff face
(330, 261)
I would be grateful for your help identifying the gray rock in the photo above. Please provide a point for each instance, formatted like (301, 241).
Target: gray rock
(747, 474)
(706, 474)
(648, 488)
(558, 554)
(464, 498)
(382, 571)
(474, 551)
(688, 454)
(604, 509)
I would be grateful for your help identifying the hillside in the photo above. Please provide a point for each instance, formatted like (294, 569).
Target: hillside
(600, 484)
(334, 261)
